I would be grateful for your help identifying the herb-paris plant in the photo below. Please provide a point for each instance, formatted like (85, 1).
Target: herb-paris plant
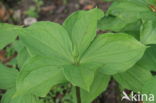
(124, 12)
(136, 18)
(74, 53)
(50, 54)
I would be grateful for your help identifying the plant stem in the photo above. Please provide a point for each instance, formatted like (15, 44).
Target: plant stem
(78, 95)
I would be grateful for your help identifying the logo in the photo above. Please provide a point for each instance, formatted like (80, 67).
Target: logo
(137, 97)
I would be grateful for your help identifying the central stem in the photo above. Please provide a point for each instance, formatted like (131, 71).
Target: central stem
(78, 95)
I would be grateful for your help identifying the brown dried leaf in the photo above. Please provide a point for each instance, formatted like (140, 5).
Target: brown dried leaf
(88, 7)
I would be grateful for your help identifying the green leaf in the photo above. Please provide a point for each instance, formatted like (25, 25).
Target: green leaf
(80, 75)
(148, 61)
(115, 24)
(149, 88)
(23, 53)
(151, 2)
(142, 2)
(133, 29)
(111, 23)
(81, 27)
(28, 98)
(22, 57)
(49, 40)
(8, 34)
(38, 76)
(99, 85)
(7, 77)
(131, 10)
(148, 31)
(134, 78)
(116, 52)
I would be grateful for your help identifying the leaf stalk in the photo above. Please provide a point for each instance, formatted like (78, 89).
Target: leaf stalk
(78, 95)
